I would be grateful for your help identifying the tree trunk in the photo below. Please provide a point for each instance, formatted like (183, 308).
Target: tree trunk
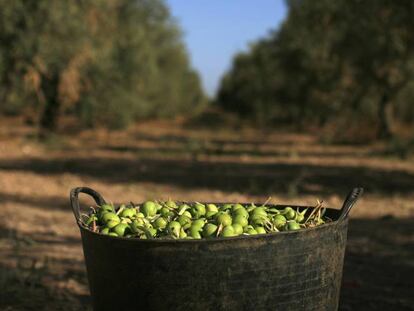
(384, 128)
(51, 109)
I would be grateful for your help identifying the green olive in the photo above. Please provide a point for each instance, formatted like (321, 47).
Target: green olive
(107, 207)
(112, 223)
(100, 214)
(158, 206)
(251, 231)
(279, 221)
(260, 230)
(160, 223)
(128, 212)
(210, 215)
(209, 230)
(125, 220)
(211, 210)
(289, 213)
(147, 225)
(198, 223)
(224, 219)
(183, 234)
(258, 211)
(183, 208)
(300, 216)
(273, 210)
(228, 231)
(174, 228)
(139, 221)
(120, 229)
(238, 229)
(105, 230)
(150, 232)
(165, 212)
(246, 228)
(237, 206)
(198, 210)
(149, 208)
(184, 221)
(171, 204)
(211, 207)
(110, 216)
(251, 207)
(258, 220)
(241, 212)
(241, 220)
(137, 225)
(292, 225)
(195, 233)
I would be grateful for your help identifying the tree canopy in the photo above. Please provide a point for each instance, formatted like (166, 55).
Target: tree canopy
(106, 62)
(347, 58)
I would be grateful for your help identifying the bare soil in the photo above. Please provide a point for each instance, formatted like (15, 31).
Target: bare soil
(41, 260)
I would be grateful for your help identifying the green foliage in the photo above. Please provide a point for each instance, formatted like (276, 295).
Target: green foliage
(110, 62)
(328, 58)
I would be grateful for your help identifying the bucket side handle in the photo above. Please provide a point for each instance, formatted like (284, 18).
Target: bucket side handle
(349, 202)
(74, 199)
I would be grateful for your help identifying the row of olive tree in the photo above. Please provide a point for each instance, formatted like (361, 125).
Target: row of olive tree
(345, 58)
(107, 62)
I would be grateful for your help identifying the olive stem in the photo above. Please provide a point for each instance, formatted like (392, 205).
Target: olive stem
(318, 206)
(120, 210)
(82, 219)
(94, 225)
(267, 222)
(219, 229)
(267, 201)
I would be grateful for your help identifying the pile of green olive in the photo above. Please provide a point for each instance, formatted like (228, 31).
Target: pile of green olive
(169, 219)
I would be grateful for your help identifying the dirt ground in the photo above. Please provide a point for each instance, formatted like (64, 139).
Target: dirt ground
(41, 260)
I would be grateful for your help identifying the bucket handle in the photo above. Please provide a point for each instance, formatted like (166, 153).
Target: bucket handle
(349, 202)
(74, 199)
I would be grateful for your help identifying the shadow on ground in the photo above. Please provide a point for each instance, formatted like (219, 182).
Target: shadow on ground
(28, 288)
(379, 265)
(28, 276)
(222, 150)
(250, 178)
(44, 202)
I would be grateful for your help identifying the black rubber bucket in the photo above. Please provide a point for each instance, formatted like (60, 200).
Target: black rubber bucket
(295, 270)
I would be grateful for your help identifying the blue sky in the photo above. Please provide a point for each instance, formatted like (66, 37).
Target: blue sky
(215, 30)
